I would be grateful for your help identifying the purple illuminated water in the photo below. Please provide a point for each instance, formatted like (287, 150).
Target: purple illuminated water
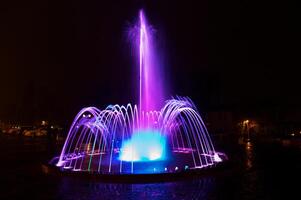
(151, 83)
(157, 136)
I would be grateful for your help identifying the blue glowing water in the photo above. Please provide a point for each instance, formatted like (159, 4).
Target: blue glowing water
(144, 146)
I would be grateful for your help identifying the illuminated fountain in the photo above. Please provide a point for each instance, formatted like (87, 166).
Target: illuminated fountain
(157, 136)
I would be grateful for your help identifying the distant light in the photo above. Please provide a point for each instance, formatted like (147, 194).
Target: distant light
(51, 127)
(84, 115)
(165, 169)
(89, 115)
(293, 134)
(176, 168)
(186, 167)
(154, 169)
(246, 121)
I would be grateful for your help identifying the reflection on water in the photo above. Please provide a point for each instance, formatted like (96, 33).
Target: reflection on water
(260, 171)
(200, 189)
(249, 155)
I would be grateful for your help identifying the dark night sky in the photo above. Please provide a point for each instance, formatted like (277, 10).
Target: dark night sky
(59, 56)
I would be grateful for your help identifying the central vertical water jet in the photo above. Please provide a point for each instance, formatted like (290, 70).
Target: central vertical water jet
(150, 85)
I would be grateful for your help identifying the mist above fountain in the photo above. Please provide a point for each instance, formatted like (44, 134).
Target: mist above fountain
(157, 136)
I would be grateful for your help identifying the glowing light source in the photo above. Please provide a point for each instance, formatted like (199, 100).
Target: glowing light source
(216, 158)
(144, 146)
(245, 122)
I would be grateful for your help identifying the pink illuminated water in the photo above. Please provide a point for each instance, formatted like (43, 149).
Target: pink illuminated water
(151, 84)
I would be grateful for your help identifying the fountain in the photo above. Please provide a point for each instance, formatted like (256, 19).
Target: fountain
(155, 137)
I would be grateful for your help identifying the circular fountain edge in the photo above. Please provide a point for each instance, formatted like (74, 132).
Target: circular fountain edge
(222, 168)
